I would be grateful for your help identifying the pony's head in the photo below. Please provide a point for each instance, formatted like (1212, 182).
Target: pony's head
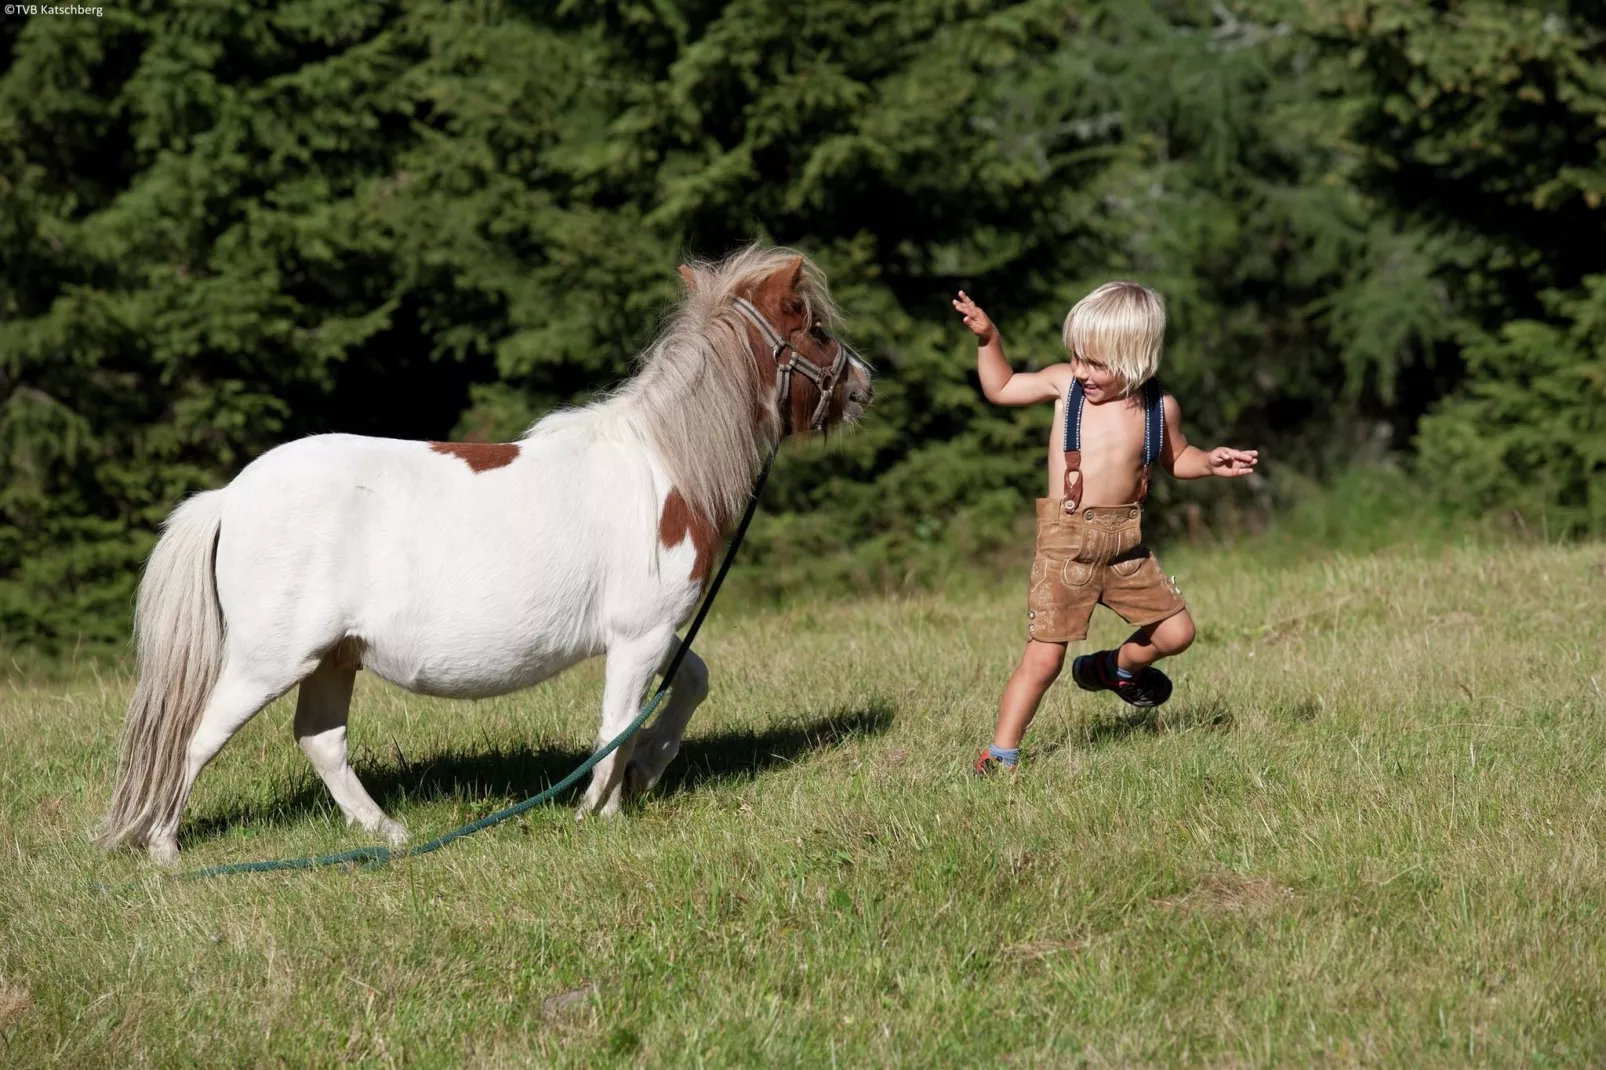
(808, 378)
(749, 356)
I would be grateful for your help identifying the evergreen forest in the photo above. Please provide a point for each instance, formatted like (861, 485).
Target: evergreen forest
(1378, 226)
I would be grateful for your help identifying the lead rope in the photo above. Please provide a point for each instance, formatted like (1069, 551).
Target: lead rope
(378, 855)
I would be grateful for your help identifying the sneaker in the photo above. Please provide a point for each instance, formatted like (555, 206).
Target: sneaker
(1096, 672)
(986, 765)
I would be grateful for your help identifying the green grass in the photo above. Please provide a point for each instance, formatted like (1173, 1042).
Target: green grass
(1366, 830)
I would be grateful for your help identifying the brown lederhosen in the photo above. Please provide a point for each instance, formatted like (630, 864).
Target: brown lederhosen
(1091, 554)
(1095, 554)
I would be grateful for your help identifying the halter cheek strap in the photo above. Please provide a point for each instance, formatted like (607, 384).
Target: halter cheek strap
(1153, 440)
(824, 380)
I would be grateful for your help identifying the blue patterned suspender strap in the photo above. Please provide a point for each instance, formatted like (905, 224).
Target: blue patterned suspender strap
(1153, 439)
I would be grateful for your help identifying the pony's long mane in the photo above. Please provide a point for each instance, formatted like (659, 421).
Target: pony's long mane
(707, 405)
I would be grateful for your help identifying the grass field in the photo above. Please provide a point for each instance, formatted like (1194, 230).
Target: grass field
(1366, 830)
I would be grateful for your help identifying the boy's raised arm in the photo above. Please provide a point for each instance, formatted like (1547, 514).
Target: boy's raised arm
(1001, 384)
(1190, 462)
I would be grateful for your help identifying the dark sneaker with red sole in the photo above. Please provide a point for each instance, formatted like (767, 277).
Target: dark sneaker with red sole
(1096, 672)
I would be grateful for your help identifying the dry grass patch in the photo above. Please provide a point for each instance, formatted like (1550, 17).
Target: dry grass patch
(1038, 950)
(1231, 893)
(576, 1003)
(14, 1002)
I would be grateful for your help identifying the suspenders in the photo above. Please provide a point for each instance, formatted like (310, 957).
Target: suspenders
(1153, 440)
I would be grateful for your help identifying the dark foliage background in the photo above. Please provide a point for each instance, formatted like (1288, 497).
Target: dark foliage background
(225, 224)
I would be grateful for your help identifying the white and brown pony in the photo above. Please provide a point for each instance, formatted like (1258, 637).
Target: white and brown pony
(471, 570)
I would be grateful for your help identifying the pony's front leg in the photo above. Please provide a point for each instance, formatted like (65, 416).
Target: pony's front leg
(630, 668)
(659, 742)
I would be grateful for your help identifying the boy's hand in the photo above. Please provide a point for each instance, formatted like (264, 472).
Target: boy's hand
(975, 318)
(1226, 461)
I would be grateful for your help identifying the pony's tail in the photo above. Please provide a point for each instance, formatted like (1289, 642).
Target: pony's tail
(178, 626)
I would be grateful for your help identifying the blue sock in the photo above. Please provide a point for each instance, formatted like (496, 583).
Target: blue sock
(1007, 756)
(1120, 673)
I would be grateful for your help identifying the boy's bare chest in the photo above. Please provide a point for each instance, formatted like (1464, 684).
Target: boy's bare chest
(1112, 451)
(1111, 434)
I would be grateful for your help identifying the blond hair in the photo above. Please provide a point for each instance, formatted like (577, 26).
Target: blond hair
(1120, 325)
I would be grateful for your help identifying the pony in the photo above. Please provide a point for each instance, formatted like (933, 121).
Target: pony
(471, 570)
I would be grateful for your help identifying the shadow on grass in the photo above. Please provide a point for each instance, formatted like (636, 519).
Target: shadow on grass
(1207, 713)
(488, 779)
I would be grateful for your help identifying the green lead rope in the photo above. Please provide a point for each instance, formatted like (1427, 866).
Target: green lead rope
(378, 855)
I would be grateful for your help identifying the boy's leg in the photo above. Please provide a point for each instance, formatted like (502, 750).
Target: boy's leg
(1137, 590)
(1059, 603)
(1129, 671)
(1039, 666)
(1148, 645)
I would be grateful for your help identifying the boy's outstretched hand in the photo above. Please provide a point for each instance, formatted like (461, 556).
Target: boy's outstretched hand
(975, 318)
(1226, 461)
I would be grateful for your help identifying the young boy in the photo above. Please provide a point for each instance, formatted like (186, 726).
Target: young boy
(1114, 425)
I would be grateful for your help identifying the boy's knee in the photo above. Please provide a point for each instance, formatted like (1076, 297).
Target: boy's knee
(1043, 660)
(1178, 633)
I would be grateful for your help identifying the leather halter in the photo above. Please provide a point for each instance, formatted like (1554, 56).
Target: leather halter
(825, 381)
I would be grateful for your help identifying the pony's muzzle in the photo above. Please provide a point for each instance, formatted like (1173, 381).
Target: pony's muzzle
(860, 384)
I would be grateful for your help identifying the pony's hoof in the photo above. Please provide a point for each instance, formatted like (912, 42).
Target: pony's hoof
(163, 852)
(393, 832)
(588, 809)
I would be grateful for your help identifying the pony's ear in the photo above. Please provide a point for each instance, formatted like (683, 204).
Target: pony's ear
(793, 274)
(783, 283)
(690, 276)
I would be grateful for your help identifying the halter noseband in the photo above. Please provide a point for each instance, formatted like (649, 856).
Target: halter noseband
(824, 381)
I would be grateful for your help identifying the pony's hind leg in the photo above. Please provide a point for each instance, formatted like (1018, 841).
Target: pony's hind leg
(235, 699)
(659, 742)
(322, 707)
(630, 669)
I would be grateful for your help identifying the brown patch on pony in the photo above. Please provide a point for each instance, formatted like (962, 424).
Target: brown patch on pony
(678, 521)
(480, 456)
(347, 654)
